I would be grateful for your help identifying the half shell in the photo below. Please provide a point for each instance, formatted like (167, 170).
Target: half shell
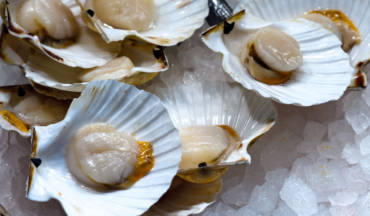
(357, 12)
(218, 104)
(324, 76)
(88, 51)
(21, 108)
(175, 21)
(185, 198)
(127, 109)
(148, 60)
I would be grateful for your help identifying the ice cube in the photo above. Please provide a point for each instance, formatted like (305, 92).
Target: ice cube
(237, 196)
(299, 196)
(306, 146)
(342, 210)
(283, 210)
(314, 132)
(358, 115)
(337, 127)
(277, 177)
(343, 198)
(365, 145)
(245, 211)
(280, 152)
(351, 153)
(365, 165)
(264, 198)
(330, 150)
(355, 179)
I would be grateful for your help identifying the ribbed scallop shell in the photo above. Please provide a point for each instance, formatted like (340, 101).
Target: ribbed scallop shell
(324, 76)
(356, 10)
(175, 21)
(220, 103)
(127, 109)
(88, 51)
(185, 198)
(40, 69)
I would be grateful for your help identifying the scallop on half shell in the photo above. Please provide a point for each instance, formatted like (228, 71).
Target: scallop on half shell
(249, 45)
(137, 63)
(56, 28)
(161, 22)
(22, 108)
(354, 13)
(217, 121)
(115, 151)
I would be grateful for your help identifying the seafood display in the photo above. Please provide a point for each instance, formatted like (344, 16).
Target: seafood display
(72, 70)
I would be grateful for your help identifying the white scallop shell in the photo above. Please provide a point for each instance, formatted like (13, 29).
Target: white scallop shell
(88, 51)
(357, 11)
(186, 199)
(175, 21)
(15, 123)
(44, 71)
(220, 103)
(324, 76)
(128, 109)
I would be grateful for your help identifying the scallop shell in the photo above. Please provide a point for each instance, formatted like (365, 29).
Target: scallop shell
(127, 109)
(185, 198)
(88, 51)
(9, 117)
(357, 11)
(176, 21)
(147, 58)
(324, 76)
(220, 103)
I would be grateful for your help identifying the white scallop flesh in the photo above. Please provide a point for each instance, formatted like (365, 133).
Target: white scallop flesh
(116, 69)
(326, 22)
(99, 154)
(40, 110)
(51, 16)
(202, 144)
(278, 50)
(125, 14)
